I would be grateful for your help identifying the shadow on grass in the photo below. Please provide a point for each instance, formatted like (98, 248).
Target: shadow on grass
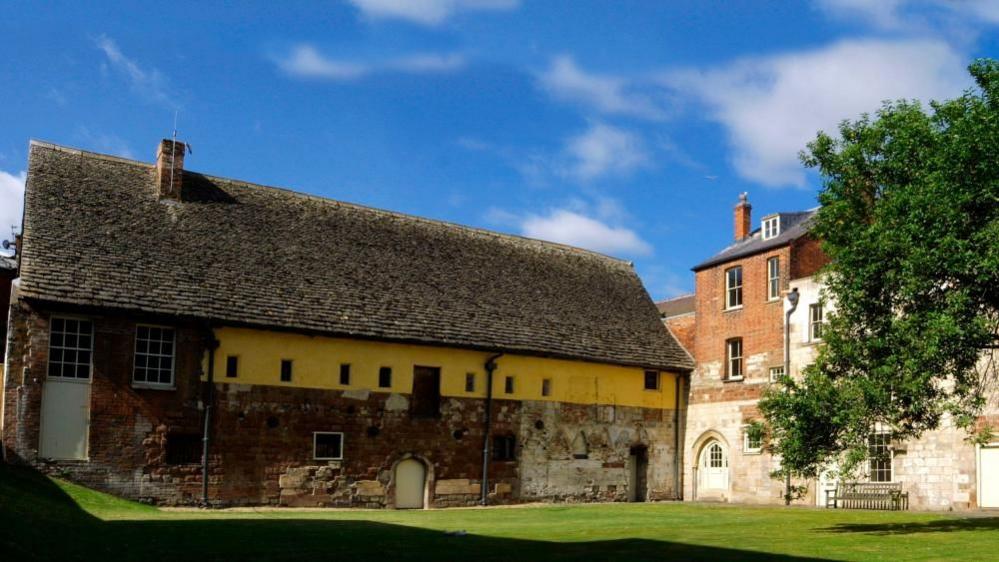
(936, 526)
(38, 521)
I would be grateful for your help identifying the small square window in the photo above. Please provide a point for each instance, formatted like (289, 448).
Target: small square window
(286, 370)
(231, 366)
(345, 374)
(771, 227)
(327, 445)
(385, 377)
(776, 373)
(504, 447)
(508, 385)
(469, 382)
(183, 448)
(752, 440)
(154, 349)
(546, 387)
(651, 380)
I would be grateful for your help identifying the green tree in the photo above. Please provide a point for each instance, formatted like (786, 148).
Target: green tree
(909, 217)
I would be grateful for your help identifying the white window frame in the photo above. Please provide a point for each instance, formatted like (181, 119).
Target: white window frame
(776, 373)
(90, 365)
(773, 278)
(315, 440)
(729, 357)
(771, 227)
(745, 443)
(173, 359)
(731, 289)
(813, 323)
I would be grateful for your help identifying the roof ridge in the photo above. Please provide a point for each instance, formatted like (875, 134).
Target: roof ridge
(387, 212)
(676, 298)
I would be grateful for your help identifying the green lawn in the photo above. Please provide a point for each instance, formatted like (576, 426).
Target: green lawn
(42, 519)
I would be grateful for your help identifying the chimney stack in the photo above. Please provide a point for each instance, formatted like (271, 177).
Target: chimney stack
(743, 217)
(170, 168)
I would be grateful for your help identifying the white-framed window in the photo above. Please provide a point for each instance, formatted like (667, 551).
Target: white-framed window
(771, 227)
(752, 441)
(733, 359)
(879, 456)
(71, 345)
(733, 287)
(815, 322)
(154, 356)
(776, 373)
(773, 278)
(327, 445)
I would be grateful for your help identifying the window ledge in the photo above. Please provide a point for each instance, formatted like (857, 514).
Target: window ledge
(732, 309)
(752, 452)
(146, 386)
(733, 379)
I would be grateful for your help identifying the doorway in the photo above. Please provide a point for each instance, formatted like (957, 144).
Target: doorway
(410, 484)
(65, 415)
(988, 476)
(638, 465)
(712, 474)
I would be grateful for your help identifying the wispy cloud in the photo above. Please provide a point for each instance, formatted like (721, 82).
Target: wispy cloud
(772, 106)
(105, 143)
(147, 82)
(428, 12)
(564, 80)
(11, 201)
(306, 61)
(914, 14)
(604, 150)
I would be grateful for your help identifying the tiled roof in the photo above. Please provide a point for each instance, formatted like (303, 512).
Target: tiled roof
(793, 226)
(8, 263)
(95, 233)
(676, 306)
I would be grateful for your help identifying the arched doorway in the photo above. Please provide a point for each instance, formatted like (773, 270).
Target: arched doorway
(410, 484)
(712, 470)
(638, 470)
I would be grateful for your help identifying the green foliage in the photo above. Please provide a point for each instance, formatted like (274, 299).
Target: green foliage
(910, 220)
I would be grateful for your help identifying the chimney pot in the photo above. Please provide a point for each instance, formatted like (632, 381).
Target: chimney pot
(743, 217)
(170, 168)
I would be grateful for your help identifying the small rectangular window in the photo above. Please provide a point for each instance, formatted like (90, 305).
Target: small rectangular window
(771, 227)
(469, 382)
(286, 370)
(183, 448)
(773, 278)
(231, 366)
(815, 322)
(733, 287)
(153, 356)
(504, 447)
(426, 397)
(733, 356)
(508, 385)
(385, 377)
(327, 446)
(546, 387)
(345, 374)
(651, 380)
(752, 440)
(70, 347)
(776, 373)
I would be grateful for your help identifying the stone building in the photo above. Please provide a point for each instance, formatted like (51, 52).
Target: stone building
(323, 353)
(738, 345)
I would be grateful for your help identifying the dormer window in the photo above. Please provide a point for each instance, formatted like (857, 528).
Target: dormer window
(771, 227)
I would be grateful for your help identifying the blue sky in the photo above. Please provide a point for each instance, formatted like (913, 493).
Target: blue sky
(624, 127)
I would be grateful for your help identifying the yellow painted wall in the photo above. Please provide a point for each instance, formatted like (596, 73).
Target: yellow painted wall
(316, 364)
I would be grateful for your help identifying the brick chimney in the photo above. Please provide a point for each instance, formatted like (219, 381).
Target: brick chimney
(170, 168)
(743, 217)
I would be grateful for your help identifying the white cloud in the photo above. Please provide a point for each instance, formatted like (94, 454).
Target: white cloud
(306, 61)
(147, 82)
(11, 201)
(575, 229)
(565, 81)
(932, 16)
(427, 12)
(603, 150)
(772, 106)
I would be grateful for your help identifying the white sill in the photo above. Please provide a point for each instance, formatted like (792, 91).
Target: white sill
(147, 386)
(732, 309)
(733, 379)
(752, 451)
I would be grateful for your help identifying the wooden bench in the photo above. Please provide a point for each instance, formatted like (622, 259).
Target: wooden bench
(868, 495)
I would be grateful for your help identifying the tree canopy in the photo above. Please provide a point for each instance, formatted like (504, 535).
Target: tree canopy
(909, 217)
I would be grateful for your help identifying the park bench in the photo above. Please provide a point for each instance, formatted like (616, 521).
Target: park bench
(868, 495)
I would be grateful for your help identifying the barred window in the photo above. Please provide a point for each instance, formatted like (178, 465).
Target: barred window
(154, 357)
(879, 456)
(327, 445)
(504, 447)
(71, 343)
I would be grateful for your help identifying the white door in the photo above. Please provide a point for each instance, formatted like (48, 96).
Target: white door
(826, 482)
(410, 482)
(65, 419)
(713, 473)
(988, 476)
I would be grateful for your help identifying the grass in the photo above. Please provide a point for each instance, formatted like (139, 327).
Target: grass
(45, 519)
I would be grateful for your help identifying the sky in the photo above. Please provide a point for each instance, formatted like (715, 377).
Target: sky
(626, 127)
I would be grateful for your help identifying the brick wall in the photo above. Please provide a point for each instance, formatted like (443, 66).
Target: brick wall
(683, 328)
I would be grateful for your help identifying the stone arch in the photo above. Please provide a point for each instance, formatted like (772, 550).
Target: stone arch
(428, 484)
(710, 466)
